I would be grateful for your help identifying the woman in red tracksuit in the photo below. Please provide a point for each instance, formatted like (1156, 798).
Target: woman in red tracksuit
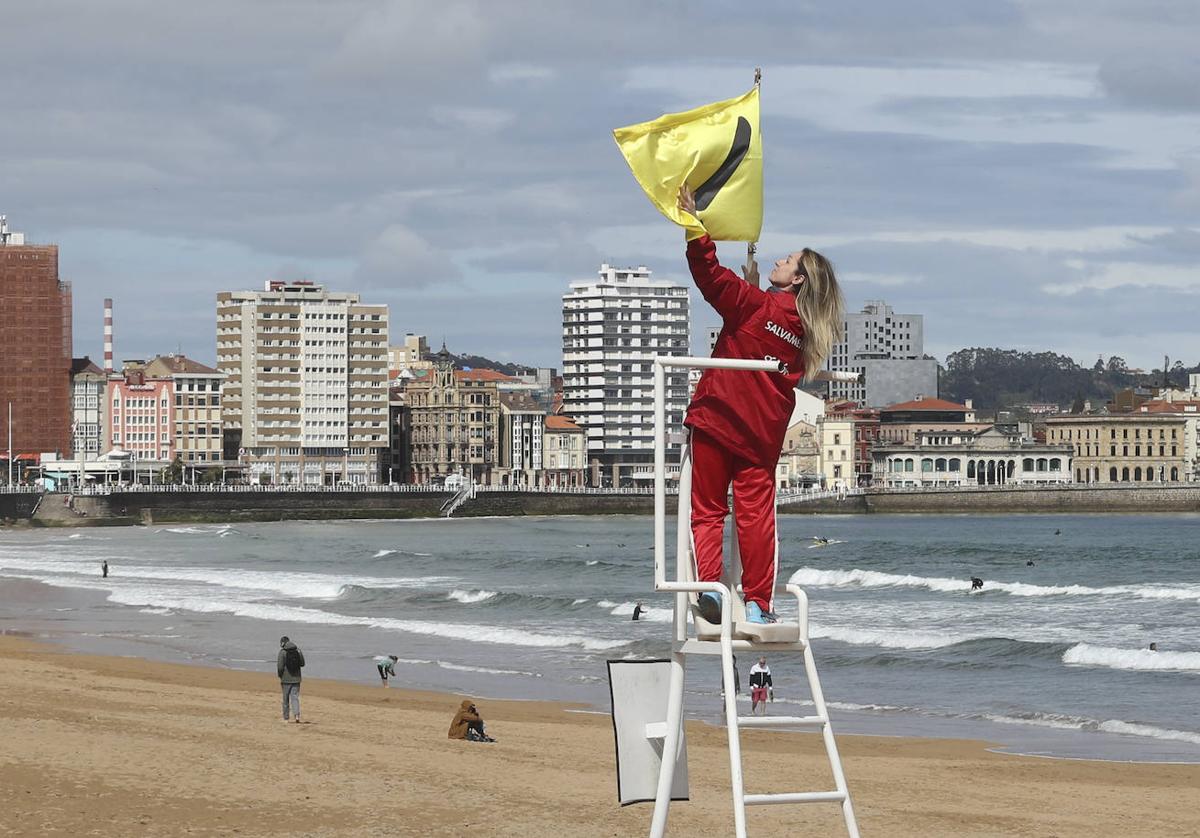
(738, 419)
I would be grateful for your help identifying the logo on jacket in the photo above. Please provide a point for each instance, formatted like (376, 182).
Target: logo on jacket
(780, 332)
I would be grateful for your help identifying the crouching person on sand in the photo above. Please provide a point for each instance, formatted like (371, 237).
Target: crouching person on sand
(288, 664)
(468, 724)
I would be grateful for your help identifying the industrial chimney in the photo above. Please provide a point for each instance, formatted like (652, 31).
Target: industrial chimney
(108, 338)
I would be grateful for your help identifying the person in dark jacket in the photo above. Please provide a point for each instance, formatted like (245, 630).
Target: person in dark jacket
(761, 686)
(288, 665)
(468, 724)
(738, 419)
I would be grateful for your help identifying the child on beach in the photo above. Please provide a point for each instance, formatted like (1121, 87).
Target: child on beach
(738, 419)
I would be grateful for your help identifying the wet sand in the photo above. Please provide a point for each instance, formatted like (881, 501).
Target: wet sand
(108, 746)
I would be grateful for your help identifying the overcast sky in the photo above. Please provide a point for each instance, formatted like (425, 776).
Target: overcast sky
(1024, 174)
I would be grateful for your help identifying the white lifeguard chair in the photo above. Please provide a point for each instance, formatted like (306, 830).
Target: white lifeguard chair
(734, 634)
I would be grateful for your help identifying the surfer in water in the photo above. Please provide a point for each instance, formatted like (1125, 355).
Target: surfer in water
(637, 611)
(976, 583)
(820, 539)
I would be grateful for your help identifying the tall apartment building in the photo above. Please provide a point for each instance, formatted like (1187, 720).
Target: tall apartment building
(306, 385)
(613, 328)
(88, 386)
(889, 348)
(35, 345)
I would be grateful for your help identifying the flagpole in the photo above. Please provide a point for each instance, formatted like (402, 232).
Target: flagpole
(752, 247)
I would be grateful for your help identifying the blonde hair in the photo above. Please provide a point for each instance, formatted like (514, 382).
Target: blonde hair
(821, 308)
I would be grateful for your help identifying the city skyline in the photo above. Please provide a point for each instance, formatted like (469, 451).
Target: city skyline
(1024, 175)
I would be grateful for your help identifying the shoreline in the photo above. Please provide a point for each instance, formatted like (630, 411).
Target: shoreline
(114, 745)
(215, 507)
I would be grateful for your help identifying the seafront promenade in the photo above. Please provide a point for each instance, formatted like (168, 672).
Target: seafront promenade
(107, 506)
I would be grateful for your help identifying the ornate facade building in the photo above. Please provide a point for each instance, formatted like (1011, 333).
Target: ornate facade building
(1150, 445)
(455, 422)
(799, 461)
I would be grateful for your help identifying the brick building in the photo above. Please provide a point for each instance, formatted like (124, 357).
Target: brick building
(35, 345)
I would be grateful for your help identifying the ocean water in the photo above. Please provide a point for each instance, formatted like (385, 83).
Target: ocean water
(1050, 658)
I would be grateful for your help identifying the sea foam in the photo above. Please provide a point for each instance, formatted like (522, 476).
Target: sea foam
(470, 597)
(1085, 654)
(813, 577)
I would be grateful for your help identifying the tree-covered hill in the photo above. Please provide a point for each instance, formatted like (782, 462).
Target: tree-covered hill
(1000, 378)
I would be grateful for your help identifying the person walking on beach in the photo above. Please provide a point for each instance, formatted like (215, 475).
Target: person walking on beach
(288, 664)
(104, 569)
(761, 686)
(386, 664)
(468, 724)
(738, 419)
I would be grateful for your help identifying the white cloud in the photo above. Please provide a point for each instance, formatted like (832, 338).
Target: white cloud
(1044, 102)
(1128, 275)
(516, 73)
(403, 36)
(478, 120)
(400, 258)
(1082, 239)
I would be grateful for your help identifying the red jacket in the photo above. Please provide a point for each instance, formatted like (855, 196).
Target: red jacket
(746, 412)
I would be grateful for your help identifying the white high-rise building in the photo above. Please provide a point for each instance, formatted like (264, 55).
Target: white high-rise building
(613, 328)
(306, 382)
(889, 348)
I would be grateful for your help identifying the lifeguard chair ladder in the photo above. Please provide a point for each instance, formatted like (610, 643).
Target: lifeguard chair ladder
(734, 634)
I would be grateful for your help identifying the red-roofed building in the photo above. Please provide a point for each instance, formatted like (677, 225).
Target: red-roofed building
(900, 423)
(926, 408)
(482, 375)
(564, 454)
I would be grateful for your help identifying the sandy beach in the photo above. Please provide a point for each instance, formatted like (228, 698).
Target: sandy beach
(122, 746)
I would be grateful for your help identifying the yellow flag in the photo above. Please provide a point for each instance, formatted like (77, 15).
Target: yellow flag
(717, 150)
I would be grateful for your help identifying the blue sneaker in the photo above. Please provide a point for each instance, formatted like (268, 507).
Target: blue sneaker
(710, 607)
(755, 614)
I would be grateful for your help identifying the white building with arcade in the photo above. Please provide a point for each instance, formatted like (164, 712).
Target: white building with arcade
(991, 457)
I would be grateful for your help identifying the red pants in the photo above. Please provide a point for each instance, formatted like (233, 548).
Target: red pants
(713, 469)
